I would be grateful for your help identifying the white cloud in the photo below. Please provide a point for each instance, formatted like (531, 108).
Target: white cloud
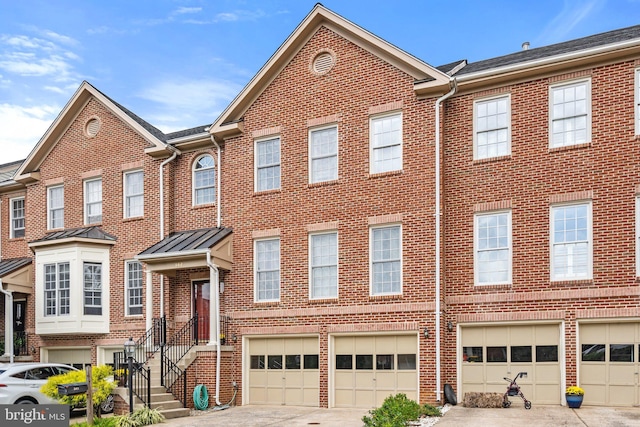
(185, 10)
(239, 15)
(22, 128)
(572, 14)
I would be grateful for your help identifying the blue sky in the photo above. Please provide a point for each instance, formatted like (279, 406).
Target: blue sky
(178, 63)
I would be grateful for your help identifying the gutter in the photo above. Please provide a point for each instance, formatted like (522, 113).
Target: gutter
(216, 285)
(437, 215)
(8, 334)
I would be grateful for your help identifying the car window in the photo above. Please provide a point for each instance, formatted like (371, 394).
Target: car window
(41, 373)
(62, 370)
(19, 375)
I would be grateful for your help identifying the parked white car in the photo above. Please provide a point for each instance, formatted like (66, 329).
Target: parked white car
(21, 382)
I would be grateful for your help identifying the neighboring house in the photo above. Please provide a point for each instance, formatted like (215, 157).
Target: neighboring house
(304, 219)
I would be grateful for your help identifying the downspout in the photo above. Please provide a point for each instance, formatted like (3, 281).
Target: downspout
(437, 215)
(216, 285)
(218, 195)
(8, 336)
(162, 165)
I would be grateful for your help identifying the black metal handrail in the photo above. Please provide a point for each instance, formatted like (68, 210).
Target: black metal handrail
(140, 377)
(175, 381)
(181, 342)
(20, 343)
(152, 340)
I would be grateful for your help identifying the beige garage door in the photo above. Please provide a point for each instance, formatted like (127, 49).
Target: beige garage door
(367, 369)
(284, 371)
(490, 353)
(77, 357)
(609, 366)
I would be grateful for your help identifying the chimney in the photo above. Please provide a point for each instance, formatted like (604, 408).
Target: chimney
(525, 46)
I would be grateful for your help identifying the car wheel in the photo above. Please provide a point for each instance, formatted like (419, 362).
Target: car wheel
(26, 401)
(106, 407)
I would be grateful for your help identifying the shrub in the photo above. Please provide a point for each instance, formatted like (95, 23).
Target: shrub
(397, 411)
(140, 417)
(102, 386)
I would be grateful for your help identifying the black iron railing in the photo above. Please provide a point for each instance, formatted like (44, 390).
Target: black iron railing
(152, 340)
(20, 344)
(175, 380)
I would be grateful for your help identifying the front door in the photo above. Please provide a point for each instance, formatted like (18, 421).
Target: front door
(19, 308)
(201, 298)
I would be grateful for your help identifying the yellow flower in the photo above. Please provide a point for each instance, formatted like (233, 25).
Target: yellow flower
(574, 391)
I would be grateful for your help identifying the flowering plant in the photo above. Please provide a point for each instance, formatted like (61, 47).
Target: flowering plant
(574, 391)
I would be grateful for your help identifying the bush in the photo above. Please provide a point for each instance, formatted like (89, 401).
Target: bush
(397, 411)
(140, 417)
(102, 386)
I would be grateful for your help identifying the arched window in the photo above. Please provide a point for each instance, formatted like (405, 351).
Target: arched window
(204, 180)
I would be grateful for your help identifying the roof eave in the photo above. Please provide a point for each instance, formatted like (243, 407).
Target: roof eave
(192, 142)
(70, 240)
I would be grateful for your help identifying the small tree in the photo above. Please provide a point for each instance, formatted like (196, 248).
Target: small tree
(102, 386)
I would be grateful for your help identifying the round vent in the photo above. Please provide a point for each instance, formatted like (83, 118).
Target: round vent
(323, 63)
(92, 128)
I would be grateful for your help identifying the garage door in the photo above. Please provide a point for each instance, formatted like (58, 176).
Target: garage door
(609, 366)
(490, 353)
(367, 369)
(284, 371)
(78, 358)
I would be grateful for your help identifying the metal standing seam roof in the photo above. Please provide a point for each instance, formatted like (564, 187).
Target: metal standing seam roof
(10, 265)
(185, 241)
(596, 40)
(93, 232)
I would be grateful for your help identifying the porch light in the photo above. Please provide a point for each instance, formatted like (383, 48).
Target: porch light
(129, 347)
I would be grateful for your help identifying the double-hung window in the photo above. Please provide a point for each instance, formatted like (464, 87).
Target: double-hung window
(492, 133)
(323, 249)
(493, 248)
(386, 143)
(267, 269)
(204, 180)
(133, 280)
(268, 164)
(386, 260)
(323, 154)
(55, 203)
(56, 289)
(570, 113)
(571, 242)
(17, 217)
(93, 201)
(92, 288)
(133, 194)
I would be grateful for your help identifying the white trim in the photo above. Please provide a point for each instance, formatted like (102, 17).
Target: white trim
(85, 183)
(255, 269)
(377, 227)
(193, 179)
(311, 158)
(476, 249)
(255, 162)
(507, 97)
(12, 230)
(637, 236)
(125, 206)
(49, 219)
(565, 84)
(589, 274)
(127, 301)
(374, 117)
(337, 264)
(637, 99)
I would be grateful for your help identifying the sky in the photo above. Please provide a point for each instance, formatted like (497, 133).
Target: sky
(179, 63)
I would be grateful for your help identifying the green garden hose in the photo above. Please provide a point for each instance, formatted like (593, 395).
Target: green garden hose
(200, 397)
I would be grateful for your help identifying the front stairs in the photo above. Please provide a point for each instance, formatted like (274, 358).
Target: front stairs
(161, 400)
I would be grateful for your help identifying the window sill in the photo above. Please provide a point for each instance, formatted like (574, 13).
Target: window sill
(266, 303)
(322, 183)
(135, 218)
(203, 206)
(385, 297)
(489, 286)
(384, 174)
(266, 192)
(15, 239)
(569, 147)
(491, 159)
(577, 282)
(323, 300)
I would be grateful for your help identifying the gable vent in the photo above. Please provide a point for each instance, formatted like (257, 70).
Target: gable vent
(323, 63)
(92, 128)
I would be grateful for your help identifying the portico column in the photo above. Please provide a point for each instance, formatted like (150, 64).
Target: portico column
(8, 323)
(149, 299)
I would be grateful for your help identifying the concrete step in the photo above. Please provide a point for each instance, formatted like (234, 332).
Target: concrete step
(162, 397)
(176, 413)
(171, 404)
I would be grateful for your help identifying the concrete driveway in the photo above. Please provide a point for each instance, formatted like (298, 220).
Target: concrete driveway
(457, 416)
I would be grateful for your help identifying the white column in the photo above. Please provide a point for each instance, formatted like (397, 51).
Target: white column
(149, 298)
(8, 323)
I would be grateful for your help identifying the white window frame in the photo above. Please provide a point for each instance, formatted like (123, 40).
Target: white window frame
(59, 293)
(324, 156)
(552, 118)
(51, 208)
(374, 166)
(637, 99)
(129, 290)
(13, 217)
(372, 262)
(589, 273)
(257, 270)
(194, 172)
(313, 266)
(87, 203)
(258, 167)
(477, 250)
(479, 129)
(127, 196)
(92, 289)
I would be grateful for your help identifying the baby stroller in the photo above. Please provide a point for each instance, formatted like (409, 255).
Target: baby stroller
(514, 390)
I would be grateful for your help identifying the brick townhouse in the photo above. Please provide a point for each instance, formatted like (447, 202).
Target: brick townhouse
(301, 226)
